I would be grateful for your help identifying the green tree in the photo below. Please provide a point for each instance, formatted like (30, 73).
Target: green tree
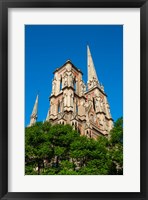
(116, 147)
(37, 147)
(46, 143)
(58, 149)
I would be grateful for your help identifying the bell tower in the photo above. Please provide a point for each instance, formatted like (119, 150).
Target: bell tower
(98, 116)
(85, 107)
(67, 98)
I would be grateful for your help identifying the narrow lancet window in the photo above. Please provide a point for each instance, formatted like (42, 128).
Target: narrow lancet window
(59, 108)
(61, 84)
(74, 84)
(94, 104)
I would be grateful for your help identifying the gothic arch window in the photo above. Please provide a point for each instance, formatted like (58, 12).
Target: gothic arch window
(74, 84)
(61, 84)
(59, 107)
(63, 122)
(76, 107)
(94, 104)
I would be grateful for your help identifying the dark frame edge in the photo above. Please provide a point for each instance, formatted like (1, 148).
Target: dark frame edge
(3, 107)
(1, 182)
(4, 194)
(144, 98)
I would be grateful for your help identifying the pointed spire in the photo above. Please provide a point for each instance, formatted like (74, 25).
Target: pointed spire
(92, 75)
(35, 108)
(33, 117)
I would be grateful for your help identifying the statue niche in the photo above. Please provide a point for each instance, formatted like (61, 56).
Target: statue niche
(70, 79)
(83, 87)
(65, 99)
(54, 86)
(65, 80)
(51, 106)
(97, 104)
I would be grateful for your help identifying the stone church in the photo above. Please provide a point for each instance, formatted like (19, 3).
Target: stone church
(84, 106)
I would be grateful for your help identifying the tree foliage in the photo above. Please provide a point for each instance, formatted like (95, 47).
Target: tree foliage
(60, 150)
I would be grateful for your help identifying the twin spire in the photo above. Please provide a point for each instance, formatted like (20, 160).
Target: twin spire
(33, 117)
(35, 108)
(90, 66)
(92, 81)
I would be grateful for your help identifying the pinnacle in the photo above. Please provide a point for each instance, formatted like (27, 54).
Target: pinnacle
(92, 75)
(35, 108)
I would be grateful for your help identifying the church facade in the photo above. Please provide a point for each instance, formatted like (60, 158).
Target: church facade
(83, 106)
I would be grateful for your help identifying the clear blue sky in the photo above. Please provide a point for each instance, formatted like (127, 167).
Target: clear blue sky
(47, 47)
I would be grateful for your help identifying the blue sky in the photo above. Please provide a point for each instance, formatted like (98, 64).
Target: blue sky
(47, 47)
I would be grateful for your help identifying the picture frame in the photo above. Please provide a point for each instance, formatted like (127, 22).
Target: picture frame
(4, 6)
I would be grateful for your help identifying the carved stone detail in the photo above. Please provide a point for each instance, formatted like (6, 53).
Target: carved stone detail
(78, 103)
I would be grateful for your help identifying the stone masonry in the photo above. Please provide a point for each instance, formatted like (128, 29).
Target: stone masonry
(84, 106)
